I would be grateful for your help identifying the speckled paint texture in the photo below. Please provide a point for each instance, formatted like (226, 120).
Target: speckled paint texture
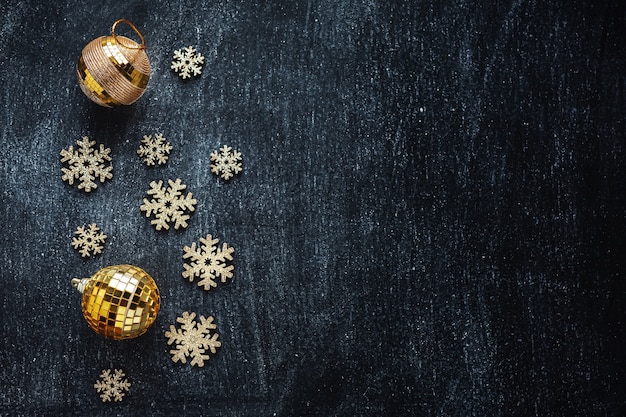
(429, 221)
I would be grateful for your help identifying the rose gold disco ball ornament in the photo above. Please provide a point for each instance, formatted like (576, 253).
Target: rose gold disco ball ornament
(119, 302)
(114, 70)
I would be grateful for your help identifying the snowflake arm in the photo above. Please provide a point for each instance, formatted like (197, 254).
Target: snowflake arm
(86, 164)
(193, 339)
(186, 203)
(89, 240)
(104, 172)
(226, 163)
(161, 220)
(112, 387)
(154, 150)
(208, 262)
(210, 342)
(182, 350)
(188, 62)
(168, 205)
(219, 268)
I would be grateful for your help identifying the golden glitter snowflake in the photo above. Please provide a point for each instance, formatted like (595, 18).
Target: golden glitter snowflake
(226, 163)
(88, 240)
(112, 387)
(193, 339)
(154, 150)
(187, 62)
(169, 205)
(208, 262)
(86, 164)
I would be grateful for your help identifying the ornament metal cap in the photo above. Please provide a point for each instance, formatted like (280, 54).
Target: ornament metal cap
(119, 302)
(79, 284)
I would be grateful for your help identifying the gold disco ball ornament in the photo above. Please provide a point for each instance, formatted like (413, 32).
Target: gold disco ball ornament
(114, 70)
(119, 302)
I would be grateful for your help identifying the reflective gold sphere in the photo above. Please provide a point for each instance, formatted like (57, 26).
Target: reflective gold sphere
(119, 302)
(114, 70)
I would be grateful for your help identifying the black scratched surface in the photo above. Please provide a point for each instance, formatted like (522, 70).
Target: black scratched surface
(430, 220)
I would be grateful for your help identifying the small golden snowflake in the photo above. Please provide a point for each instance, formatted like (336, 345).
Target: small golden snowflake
(208, 262)
(89, 240)
(86, 164)
(112, 387)
(154, 150)
(226, 163)
(193, 339)
(169, 205)
(188, 62)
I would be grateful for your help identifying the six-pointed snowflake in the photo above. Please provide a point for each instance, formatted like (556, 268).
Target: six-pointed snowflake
(188, 62)
(154, 150)
(168, 204)
(86, 164)
(208, 262)
(112, 387)
(193, 339)
(226, 163)
(89, 240)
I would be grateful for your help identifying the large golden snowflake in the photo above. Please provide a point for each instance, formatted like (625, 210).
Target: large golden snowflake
(86, 164)
(169, 205)
(193, 339)
(208, 262)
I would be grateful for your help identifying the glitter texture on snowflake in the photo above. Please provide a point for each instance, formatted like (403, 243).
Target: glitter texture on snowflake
(226, 163)
(154, 150)
(86, 164)
(89, 240)
(193, 339)
(208, 262)
(112, 387)
(187, 62)
(168, 205)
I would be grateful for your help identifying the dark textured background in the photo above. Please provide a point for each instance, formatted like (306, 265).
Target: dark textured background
(430, 220)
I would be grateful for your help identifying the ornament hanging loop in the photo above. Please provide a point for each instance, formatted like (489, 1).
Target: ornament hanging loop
(133, 27)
